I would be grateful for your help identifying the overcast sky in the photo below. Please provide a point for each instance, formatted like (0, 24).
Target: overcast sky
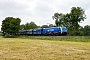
(41, 11)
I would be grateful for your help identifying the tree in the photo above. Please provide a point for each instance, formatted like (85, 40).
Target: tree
(76, 15)
(22, 27)
(81, 31)
(32, 25)
(27, 26)
(58, 18)
(87, 30)
(51, 25)
(70, 20)
(10, 25)
(44, 26)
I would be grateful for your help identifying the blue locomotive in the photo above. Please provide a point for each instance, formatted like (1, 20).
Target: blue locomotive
(53, 31)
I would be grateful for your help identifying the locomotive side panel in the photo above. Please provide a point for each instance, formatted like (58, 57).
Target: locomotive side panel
(51, 31)
(37, 31)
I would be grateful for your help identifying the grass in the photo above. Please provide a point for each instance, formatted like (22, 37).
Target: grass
(33, 49)
(60, 38)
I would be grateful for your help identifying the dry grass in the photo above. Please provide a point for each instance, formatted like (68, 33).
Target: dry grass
(27, 49)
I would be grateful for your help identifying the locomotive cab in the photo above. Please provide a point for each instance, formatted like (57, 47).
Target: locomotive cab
(63, 30)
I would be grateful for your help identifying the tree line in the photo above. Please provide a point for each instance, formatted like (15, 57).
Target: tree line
(71, 20)
(33, 25)
(11, 25)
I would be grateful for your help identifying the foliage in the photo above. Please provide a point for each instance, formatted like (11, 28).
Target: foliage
(44, 26)
(47, 26)
(58, 18)
(87, 30)
(51, 25)
(33, 25)
(10, 25)
(70, 20)
(27, 26)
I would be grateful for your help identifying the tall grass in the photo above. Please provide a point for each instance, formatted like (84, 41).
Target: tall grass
(55, 38)
(59, 38)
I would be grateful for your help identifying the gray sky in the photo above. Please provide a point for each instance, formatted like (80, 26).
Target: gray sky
(40, 11)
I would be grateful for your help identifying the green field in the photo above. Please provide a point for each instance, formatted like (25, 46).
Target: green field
(37, 49)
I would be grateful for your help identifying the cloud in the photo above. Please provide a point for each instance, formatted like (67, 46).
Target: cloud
(13, 8)
(65, 6)
(40, 11)
(43, 9)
